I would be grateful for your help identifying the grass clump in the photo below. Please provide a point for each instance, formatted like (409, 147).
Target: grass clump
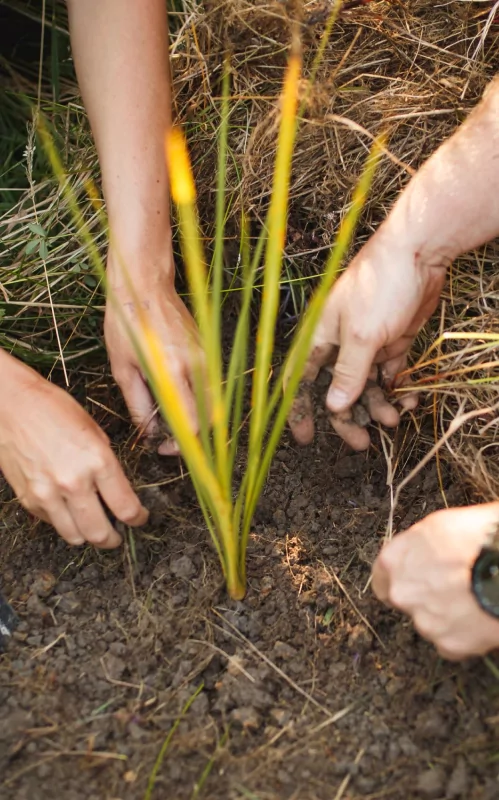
(229, 509)
(211, 456)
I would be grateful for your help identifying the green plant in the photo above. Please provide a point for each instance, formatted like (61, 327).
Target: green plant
(166, 744)
(228, 507)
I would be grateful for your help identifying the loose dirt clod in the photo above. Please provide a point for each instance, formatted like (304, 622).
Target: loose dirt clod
(458, 781)
(431, 783)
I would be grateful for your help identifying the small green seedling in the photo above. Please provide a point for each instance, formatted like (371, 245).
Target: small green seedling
(39, 241)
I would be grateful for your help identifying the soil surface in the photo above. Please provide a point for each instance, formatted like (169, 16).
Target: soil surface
(309, 689)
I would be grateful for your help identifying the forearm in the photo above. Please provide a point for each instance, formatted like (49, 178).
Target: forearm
(120, 49)
(452, 204)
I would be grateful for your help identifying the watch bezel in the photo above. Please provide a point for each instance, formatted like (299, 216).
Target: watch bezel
(477, 580)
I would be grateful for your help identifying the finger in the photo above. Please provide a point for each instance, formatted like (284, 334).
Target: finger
(428, 625)
(301, 416)
(454, 655)
(388, 563)
(393, 379)
(381, 581)
(453, 648)
(58, 515)
(140, 402)
(409, 401)
(392, 579)
(91, 521)
(170, 447)
(190, 401)
(351, 372)
(118, 495)
(380, 410)
(353, 434)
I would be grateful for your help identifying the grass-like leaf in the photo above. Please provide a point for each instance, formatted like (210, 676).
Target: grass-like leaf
(211, 454)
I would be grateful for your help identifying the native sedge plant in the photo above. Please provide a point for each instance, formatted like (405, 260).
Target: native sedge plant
(210, 457)
(210, 453)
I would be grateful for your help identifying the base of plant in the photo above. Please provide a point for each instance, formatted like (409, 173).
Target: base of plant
(236, 588)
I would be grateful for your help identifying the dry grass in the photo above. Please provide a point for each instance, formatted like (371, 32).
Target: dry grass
(411, 68)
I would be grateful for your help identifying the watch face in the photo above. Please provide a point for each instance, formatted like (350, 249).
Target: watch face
(8, 622)
(486, 580)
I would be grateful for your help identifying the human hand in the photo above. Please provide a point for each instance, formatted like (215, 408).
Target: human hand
(59, 462)
(426, 572)
(370, 319)
(176, 330)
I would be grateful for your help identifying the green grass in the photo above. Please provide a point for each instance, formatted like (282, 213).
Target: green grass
(166, 744)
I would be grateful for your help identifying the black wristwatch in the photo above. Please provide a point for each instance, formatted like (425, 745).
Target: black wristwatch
(485, 578)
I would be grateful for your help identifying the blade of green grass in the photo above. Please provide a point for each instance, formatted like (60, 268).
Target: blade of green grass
(209, 766)
(331, 21)
(236, 377)
(243, 318)
(164, 747)
(277, 219)
(184, 195)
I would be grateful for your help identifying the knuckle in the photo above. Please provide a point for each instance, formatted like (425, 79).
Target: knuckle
(199, 359)
(396, 596)
(98, 537)
(101, 459)
(450, 649)
(346, 375)
(41, 493)
(71, 484)
(424, 628)
(130, 512)
(359, 335)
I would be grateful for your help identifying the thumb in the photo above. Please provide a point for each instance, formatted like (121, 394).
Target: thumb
(351, 372)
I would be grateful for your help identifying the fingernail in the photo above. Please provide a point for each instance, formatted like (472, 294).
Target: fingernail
(337, 399)
(169, 448)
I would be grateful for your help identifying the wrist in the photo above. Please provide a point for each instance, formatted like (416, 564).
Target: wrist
(411, 238)
(391, 249)
(141, 269)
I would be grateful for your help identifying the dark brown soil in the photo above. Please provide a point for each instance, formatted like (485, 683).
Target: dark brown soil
(310, 689)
